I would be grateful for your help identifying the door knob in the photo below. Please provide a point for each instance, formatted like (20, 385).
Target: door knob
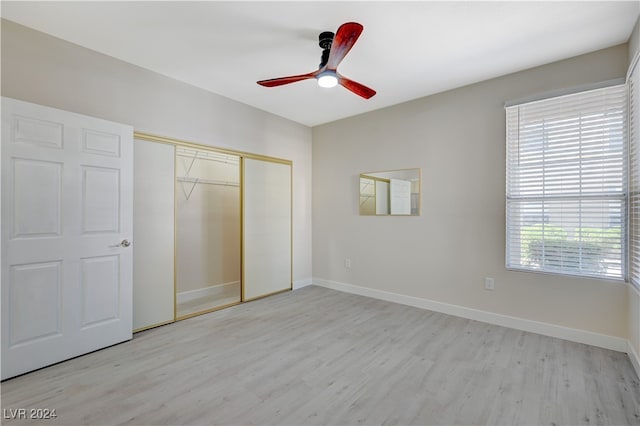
(123, 243)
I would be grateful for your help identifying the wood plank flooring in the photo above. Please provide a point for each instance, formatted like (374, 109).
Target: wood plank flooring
(318, 356)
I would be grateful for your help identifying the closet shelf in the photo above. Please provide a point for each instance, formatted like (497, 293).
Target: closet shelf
(205, 155)
(206, 181)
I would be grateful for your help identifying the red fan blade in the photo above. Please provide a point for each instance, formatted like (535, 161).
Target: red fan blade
(286, 80)
(355, 87)
(343, 41)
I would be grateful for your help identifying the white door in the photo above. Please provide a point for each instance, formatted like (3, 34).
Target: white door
(67, 213)
(266, 228)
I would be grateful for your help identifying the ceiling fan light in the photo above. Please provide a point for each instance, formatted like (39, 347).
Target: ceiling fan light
(327, 79)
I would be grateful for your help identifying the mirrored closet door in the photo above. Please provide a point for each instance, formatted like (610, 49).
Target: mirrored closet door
(208, 231)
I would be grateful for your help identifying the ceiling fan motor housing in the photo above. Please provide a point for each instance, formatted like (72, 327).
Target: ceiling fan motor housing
(325, 39)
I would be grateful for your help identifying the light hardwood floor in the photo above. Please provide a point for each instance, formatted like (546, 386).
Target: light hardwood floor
(318, 356)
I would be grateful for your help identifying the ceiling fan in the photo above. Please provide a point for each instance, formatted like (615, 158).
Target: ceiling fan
(334, 49)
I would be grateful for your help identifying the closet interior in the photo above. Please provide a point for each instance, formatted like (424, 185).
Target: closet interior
(208, 227)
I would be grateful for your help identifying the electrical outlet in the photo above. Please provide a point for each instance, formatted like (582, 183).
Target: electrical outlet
(347, 263)
(489, 284)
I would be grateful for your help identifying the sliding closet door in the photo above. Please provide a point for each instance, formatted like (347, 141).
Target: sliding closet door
(266, 228)
(153, 218)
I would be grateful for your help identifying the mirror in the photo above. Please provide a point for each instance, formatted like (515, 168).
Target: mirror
(390, 193)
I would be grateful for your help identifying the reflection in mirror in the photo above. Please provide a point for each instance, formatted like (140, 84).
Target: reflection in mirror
(394, 192)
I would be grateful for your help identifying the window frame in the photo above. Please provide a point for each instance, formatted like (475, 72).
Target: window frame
(620, 197)
(633, 186)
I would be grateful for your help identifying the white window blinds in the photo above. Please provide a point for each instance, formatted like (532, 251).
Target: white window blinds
(566, 184)
(633, 83)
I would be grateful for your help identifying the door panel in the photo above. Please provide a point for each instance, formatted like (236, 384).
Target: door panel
(37, 198)
(100, 200)
(43, 133)
(38, 285)
(266, 228)
(100, 289)
(100, 143)
(66, 206)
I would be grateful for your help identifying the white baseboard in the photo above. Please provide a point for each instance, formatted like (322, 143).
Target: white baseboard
(632, 351)
(575, 335)
(187, 296)
(302, 283)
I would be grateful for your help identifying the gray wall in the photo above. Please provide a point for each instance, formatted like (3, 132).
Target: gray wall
(458, 139)
(45, 70)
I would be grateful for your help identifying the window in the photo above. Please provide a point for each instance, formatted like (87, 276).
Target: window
(634, 179)
(567, 184)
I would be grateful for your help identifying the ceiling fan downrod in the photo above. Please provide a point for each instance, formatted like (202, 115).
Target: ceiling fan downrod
(325, 40)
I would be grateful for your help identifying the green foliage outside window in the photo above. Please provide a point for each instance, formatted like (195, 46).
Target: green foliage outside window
(550, 247)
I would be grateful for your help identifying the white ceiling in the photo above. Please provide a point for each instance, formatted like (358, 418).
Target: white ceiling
(407, 49)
